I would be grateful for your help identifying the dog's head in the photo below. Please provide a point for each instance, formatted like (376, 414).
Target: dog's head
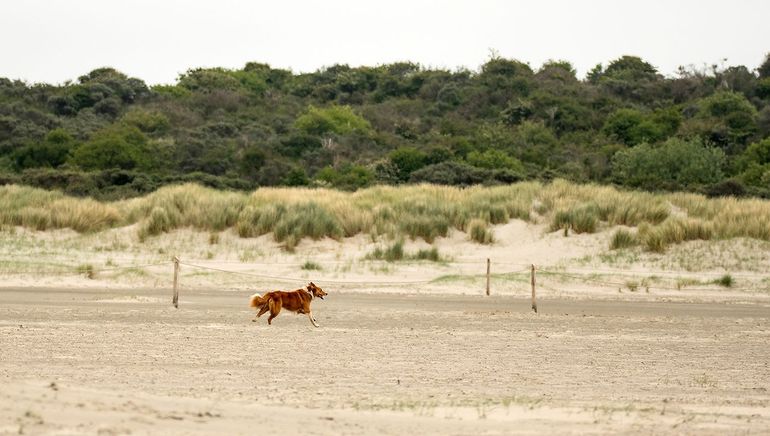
(316, 291)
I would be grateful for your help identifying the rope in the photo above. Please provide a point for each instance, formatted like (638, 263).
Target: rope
(616, 284)
(302, 280)
(574, 275)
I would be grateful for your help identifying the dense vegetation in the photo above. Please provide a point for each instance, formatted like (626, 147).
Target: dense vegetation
(112, 136)
(393, 213)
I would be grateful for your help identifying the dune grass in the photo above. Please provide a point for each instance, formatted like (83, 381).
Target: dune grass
(415, 211)
(623, 239)
(395, 252)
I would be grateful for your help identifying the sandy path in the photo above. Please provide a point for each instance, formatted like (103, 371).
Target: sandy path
(125, 361)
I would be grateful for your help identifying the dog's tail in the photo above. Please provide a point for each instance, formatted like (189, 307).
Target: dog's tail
(257, 300)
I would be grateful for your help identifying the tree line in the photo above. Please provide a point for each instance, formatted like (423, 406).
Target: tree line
(111, 136)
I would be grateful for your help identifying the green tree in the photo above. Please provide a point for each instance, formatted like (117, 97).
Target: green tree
(406, 161)
(51, 152)
(296, 177)
(754, 163)
(124, 147)
(674, 164)
(764, 68)
(341, 120)
(348, 177)
(493, 160)
(635, 127)
(728, 119)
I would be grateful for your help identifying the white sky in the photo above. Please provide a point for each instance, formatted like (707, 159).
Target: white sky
(156, 40)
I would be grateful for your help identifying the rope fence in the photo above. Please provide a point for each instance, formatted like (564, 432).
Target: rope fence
(548, 278)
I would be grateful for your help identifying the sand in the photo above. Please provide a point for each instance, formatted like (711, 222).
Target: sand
(93, 362)
(622, 343)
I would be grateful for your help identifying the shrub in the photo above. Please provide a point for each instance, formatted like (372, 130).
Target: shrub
(726, 188)
(87, 270)
(675, 163)
(429, 254)
(333, 119)
(426, 227)
(623, 239)
(451, 173)
(479, 231)
(158, 222)
(725, 281)
(305, 220)
(395, 252)
(674, 231)
(311, 266)
(391, 254)
(581, 219)
(256, 221)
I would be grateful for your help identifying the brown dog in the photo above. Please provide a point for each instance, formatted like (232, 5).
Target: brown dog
(296, 301)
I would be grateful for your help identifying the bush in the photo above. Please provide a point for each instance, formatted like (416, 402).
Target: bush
(674, 163)
(306, 220)
(623, 239)
(479, 231)
(395, 252)
(158, 222)
(333, 119)
(581, 219)
(725, 281)
(391, 254)
(407, 160)
(311, 266)
(674, 231)
(429, 254)
(726, 188)
(451, 173)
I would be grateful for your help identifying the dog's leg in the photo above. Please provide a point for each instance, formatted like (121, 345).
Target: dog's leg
(262, 311)
(312, 320)
(275, 309)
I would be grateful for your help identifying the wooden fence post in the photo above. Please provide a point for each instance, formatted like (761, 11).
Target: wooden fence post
(175, 301)
(487, 277)
(534, 303)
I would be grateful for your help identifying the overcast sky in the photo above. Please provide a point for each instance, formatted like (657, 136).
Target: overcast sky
(156, 40)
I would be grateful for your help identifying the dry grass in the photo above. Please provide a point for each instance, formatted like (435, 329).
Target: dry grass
(418, 211)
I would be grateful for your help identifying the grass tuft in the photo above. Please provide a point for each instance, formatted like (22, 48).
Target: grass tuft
(395, 252)
(309, 265)
(725, 281)
(479, 231)
(623, 239)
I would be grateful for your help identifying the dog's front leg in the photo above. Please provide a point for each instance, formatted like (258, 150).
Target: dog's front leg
(312, 320)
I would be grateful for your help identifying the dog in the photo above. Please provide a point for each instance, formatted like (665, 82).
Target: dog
(296, 301)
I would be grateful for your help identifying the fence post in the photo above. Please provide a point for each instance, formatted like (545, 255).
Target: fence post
(534, 303)
(175, 301)
(487, 277)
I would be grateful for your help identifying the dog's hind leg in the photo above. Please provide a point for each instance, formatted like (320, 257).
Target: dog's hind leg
(262, 311)
(312, 319)
(275, 309)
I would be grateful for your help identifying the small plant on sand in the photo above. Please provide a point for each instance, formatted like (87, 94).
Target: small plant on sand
(309, 265)
(725, 281)
(395, 252)
(684, 282)
(581, 219)
(429, 254)
(158, 222)
(392, 253)
(87, 270)
(623, 239)
(479, 231)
